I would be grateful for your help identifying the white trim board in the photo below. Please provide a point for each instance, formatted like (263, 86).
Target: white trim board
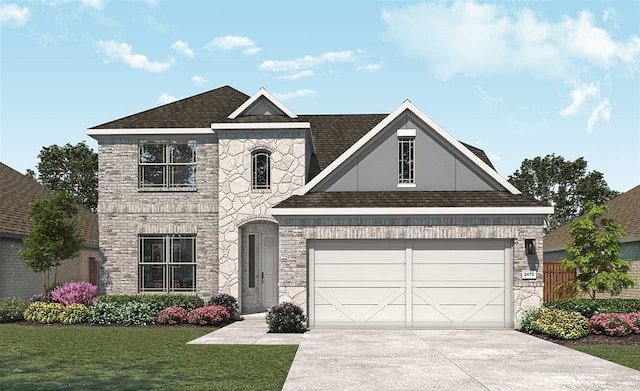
(260, 125)
(147, 131)
(262, 92)
(534, 210)
(406, 105)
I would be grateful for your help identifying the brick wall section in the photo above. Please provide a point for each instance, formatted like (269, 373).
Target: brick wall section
(18, 281)
(294, 232)
(125, 212)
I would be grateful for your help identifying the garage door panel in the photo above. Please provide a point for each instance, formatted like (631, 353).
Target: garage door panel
(458, 256)
(455, 296)
(351, 296)
(351, 272)
(356, 245)
(359, 314)
(488, 314)
(458, 272)
(458, 244)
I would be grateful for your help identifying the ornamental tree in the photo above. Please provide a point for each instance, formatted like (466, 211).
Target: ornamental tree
(596, 255)
(55, 235)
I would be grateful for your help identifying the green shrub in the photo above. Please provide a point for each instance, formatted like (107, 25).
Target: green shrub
(560, 324)
(11, 309)
(43, 312)
(590, 307)
(227, 301)
(525, 322)
(286, 318)
(74, 313)
(32, 312)
(130, 313)
(159, 302)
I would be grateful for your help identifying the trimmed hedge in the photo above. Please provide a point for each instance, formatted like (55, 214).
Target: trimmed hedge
(560, 324)
(11, 309)
(286, 318)
(589, 307)
(131, 313)
(158, 302)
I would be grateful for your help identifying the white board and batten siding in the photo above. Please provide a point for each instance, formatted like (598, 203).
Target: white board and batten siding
(416, 283)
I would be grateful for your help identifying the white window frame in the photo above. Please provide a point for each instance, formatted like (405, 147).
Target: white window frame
(406, 140)
(254, 170)
(167, 164)
(166, 264)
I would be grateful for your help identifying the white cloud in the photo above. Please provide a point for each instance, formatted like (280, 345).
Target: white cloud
(369, 68)
(608, 14)
(97, 4)
(166, 98)
(13, 14)
(307, 62)
(465, 37)
(122, 51)
(182, 47)
(199, 80)
(494, 157)
(298, 75)
(578, 96)
(488, 100)
(294, 94)
(152, 3)
(231, 42)
(602, 111)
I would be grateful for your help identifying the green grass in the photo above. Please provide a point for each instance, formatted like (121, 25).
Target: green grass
(627, 355)
(134, 358)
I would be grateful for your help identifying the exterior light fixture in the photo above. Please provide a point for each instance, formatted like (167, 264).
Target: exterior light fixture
(530, 246)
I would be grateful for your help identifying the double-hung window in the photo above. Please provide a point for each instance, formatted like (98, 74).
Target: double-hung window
(167, 263)
(261, 170)
(167, 164)
(406, 163)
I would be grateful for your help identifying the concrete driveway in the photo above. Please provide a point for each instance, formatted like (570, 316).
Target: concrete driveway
(447, 360)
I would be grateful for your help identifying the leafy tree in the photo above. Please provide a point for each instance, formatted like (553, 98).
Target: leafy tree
(72, 169)
(562, 183)
(596, 255)
(55, 235)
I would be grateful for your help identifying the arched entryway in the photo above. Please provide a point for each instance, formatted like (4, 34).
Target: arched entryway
(258, 266)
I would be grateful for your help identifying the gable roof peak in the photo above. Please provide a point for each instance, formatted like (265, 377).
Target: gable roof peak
(262, 93)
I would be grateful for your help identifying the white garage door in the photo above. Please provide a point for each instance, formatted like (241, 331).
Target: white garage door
(410, 283)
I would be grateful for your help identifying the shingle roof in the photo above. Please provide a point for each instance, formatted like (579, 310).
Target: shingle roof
(16, 193)
(333, 133)
(408, 199)
(624, 209)
(197, 111)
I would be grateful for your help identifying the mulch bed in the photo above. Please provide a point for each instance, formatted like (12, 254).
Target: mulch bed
(593, 339)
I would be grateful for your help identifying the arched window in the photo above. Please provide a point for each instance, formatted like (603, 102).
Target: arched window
(261, 170)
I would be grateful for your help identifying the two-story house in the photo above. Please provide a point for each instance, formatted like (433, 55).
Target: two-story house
(364, 220)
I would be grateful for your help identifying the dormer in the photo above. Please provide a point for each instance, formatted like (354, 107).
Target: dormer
(262, 103)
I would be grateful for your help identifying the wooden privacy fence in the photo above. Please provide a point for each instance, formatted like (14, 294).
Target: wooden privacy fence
(553, 274)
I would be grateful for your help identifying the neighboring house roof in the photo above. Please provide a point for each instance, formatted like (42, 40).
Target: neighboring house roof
(624, 209)
(197, 111)
(16, 193)
(408, 199)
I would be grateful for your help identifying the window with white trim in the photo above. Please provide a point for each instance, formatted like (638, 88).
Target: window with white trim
(167, 263)
(261, 170)
(167, 164)
(406, 154)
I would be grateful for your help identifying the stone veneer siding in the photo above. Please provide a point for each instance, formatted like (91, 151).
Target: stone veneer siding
(239, 204)
(294, 232)
(125, 212)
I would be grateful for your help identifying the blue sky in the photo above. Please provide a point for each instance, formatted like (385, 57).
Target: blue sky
(518, 79)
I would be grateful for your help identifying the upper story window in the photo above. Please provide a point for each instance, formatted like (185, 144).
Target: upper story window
(167, 164)
(406, 155)
(261, 170)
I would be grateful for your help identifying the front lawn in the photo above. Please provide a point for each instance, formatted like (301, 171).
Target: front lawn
(134, 358)
(627, 355)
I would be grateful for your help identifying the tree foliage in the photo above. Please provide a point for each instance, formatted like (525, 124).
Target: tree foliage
(72, 169)
(55, 235)
(562, 183)
(596, 255)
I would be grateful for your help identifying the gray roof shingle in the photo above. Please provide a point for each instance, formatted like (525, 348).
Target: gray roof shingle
(408, 199)
(16, 193)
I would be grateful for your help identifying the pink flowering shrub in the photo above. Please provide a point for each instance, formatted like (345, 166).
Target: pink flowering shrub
(210, 315)
(615, 325)
(173, 315)
(75, 293)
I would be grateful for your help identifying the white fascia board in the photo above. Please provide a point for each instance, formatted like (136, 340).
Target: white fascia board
(493, 211)
(406, 132)
(406, 105)
(262, 92)
(147, 131)
(260, 125)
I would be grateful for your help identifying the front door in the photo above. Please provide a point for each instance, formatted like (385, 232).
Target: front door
(268, 270)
